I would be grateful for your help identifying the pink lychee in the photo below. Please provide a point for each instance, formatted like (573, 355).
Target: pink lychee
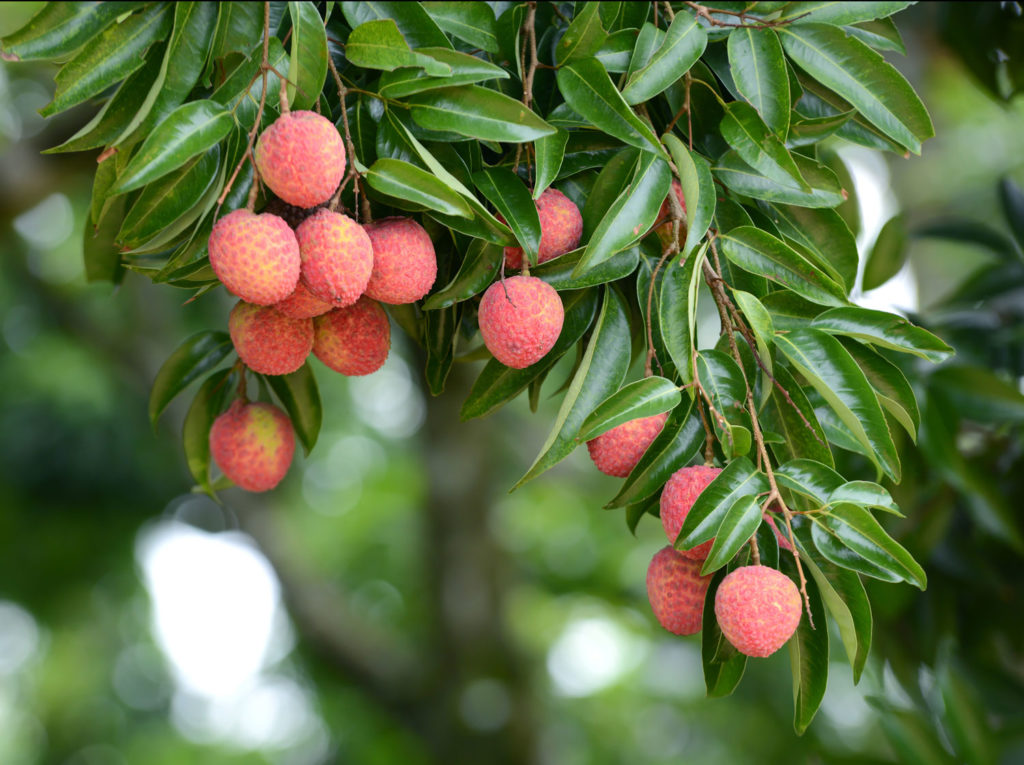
(561, 226)
(618, 451)
(520, 320)
(758, 609)
(678, 496)
(267, 341)
(676, 591)
(301, 157)
(253, 444)
(404, 263)
(302, 304)
(255, 256)
(354, 340)
(337, 257)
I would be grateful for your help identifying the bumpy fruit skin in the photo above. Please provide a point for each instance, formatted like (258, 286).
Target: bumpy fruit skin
(337, 257)
(520, 320)
(354, 340)
(678, 497)
(618, 451)
(255, 256)
(561, 226)
(301, 157)
(267, 341)
(302, 304)
(758, 609)
(404, 263)
(676, 591)
(253, 444)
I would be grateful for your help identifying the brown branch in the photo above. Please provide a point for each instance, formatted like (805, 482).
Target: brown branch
(351, 172)
(705, 12)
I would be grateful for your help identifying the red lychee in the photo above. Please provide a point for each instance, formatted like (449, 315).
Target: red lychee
(678, 497)
(617, 451)
(301, 157)
(404, 263)
(302, 304)
(253, 444)
(520, 320)
(255, 256)
(354, 340)
(758, 609)
(337, 257)
(676, 591)
(267, 341)
(561, 226)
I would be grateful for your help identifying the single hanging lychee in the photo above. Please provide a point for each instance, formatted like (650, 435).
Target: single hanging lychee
(758, 609)
(677, 498)
(618, 451)
(676, 591)
(520, 319)
(253, 444)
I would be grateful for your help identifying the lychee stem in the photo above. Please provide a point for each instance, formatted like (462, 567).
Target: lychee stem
(350, 147)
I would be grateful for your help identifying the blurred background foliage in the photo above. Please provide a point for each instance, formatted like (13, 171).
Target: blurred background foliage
(391, 602)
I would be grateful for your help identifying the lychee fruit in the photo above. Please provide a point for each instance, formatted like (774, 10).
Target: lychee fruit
(520, 319)
(301, 157)
(561, 226)
(253, 444)
(353, 340)
(255, 256)
(678, 496)
(618, 451)
(404, 263)
(337, 257)
(676, 591)
(758, 609)
(302, 304)
(267, 341)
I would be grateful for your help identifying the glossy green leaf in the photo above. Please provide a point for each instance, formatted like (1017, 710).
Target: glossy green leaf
(887, 255)
(758, 68)
(108, 58)
(379, 45)
(791, 415)
(880, 34)
(560, 272)
(471, 22)
(406, 181)
(635, 513)
(698, 191)
(440, 335)
(589, 91)
(550, 152)
(862, 77)
(413, 21)
(808, 655)
(829, 12)
(865, 494)
(743, 179)
(307, 70)
(300, 396)
(102, 259)
(190, 130)
(607, 187)
(648, 41)
(761, 325)
(980, 394)
(498, 384)
(239, 27)
(827, 366)
(235, 92)
(600, 373)
(761, 253)
(855, 528)
(642, 398)
(738, 525)
(881, 328)
(756, 145)
(809, 131)
(59, 29)
(817, 100)
(677, 311)
(512, 199)
(738, 479)
(583, 37)
(722, 379)
(823, 235)
(477, 112)
(723, 665)
(684, 42)
(891, 386)
(465, 70)
(476, 273)
(812, 479)
(616, 51)
(210, 400)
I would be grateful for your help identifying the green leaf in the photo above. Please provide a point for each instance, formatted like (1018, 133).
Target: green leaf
(826, 365)
(236, 95)
(913, 738)
(756, 145)
(817, 101)
(743, 179)
(808, 131)
(108, 58)
(839, 14)
(102, 258)
(964, 716)
(59, 29)
(887, 254)
(477, 112)
(737, 527)
(677, 311)
(616, 51)
(760, 322)
(415, 24)
(880, 34)
(648, 41)
(810, 478)
(440, 330)
(589, 91)
(600, 373)
(238, 26)
(300, 396)
(698, 191)
(865, 494)
(758, 67)
(190, 130)
(1012, 200)
(722, 379)
(823, 235)
(465, 70)
(307, 70)
(210, 400)
(761, 253)
(881, 328)
(738, 479)
(808, 655)
(470, 22)
(379, 45)
(560, 272)
(550, 153)
(607, 187)
(632, 213)
(512, 199)
(642, 398)
(498, 384)
(792, 415)
(723, 665)
(980, 394)
(891, 386)
(635, 512)
(862, 77)
(583, 37)
(476, 273)
(406, 181)
(684, 43)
